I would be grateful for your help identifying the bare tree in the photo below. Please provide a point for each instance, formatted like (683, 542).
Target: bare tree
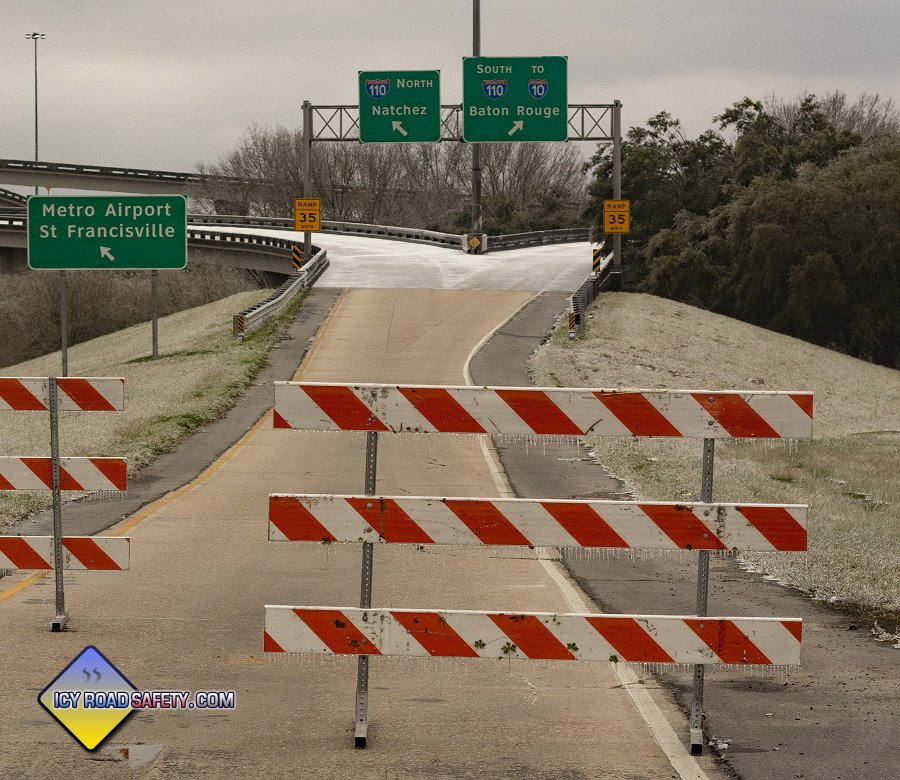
(526, 186)
(868, 116)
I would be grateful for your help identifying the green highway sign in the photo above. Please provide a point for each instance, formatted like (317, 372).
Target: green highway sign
(401, 106)
(115, 232)
(515, 99)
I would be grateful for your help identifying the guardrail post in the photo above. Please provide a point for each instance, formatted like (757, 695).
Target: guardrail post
(61, 615)
(702, 596)
(365, 601)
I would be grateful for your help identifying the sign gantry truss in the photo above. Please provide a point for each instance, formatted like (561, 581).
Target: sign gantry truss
(586, 122)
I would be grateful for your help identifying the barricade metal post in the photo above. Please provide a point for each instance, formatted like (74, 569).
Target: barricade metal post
(61, 616)
(706, 483)
(365, 601)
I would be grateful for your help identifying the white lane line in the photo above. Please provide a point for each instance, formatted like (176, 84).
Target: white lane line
(660, 728)
(498, 475)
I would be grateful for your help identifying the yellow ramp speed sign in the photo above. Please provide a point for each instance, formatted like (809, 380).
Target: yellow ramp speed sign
(617, 216)
(307, 214)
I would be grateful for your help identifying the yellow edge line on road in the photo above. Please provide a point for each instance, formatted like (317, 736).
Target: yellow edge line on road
(19, 586)
(199, 480)
(318, 342)
(141, 515)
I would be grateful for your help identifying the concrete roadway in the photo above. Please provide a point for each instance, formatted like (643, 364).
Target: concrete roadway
(189, 613)
(357, 261)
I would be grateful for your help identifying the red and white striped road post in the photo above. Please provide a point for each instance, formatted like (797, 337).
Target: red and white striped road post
(56, 394)
(697, 639)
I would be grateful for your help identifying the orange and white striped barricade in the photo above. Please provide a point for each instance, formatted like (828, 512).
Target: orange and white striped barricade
(75, 394)
(55, 395)
(543, 411)
(643, 639)
(529, 522)
(25, 473)
(92, 553)
(516, 411)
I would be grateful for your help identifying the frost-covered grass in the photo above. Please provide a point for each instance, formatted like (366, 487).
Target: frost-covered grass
(201, 368)
(849, 474)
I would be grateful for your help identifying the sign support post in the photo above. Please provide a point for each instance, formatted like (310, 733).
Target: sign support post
(365, 601)
(706, 483)
(154, 311)
(307, 172)
(61, 615)
(476, 148)
(63, 323)
(617, 190)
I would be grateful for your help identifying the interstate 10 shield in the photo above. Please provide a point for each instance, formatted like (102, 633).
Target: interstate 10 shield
(538, 88)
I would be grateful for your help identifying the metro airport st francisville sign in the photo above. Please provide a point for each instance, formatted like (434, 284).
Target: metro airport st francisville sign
(118, 232)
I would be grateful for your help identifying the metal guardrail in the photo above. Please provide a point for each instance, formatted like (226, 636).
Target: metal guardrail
(247, 242)
(536, 238)
(13, 219)
(14, 199)
(16, 220)
(584, 296)
(341, 228)
(273, 305)
(454, 240)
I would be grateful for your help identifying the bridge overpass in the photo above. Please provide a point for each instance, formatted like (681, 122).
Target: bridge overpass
(102, 178)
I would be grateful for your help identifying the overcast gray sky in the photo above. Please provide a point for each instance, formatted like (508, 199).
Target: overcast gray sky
(167, 84)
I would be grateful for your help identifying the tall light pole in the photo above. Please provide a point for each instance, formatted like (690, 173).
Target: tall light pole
(35, 36)
(476, 148)
(63, 323)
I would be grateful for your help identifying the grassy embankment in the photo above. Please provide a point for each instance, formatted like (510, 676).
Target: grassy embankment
(200, 370)
(849, 474)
